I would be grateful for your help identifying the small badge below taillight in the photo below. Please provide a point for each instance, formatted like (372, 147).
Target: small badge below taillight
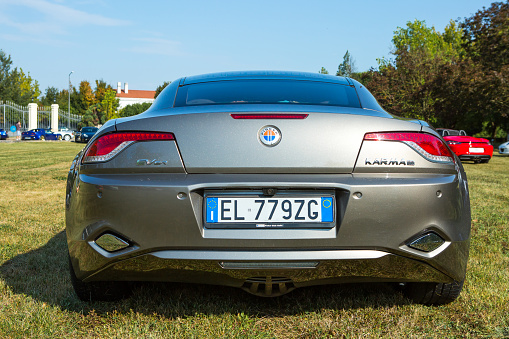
(107, 146)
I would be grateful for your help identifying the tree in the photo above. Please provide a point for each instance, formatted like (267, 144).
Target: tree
(407, 85)
(5, 71)
(134, 109)
(486, 35)
(100, 90)
(86, 96)
(92, 117)
(160, 88)
(50, 96)
(486, 40)
(347, 67)
(109, 106)
(323, 71)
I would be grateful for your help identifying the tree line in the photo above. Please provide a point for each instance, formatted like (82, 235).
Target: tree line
(455, 79)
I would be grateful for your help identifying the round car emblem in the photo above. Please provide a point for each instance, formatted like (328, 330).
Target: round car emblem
(270, 135)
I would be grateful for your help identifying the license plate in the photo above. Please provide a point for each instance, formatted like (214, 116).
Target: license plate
(261, 211)
(476, 150)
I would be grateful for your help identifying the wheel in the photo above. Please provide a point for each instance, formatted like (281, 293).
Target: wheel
(59, 137)
(433, 293)
(100, 290)
(42, 137)
(67, 137)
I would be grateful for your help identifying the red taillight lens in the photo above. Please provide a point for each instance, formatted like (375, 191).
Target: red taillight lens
(427, 145)
(109, 145)
(269, 116)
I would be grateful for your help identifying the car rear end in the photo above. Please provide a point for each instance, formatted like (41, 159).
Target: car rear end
(30, 135)
(470, 148)
(193, 194)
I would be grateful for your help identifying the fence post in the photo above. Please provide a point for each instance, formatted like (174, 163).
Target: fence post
(32, 116)
(54, 117)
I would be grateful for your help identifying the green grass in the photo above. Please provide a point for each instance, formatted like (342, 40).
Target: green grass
(37, 301)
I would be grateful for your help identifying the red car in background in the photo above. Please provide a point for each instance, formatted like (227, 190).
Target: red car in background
(465, 147)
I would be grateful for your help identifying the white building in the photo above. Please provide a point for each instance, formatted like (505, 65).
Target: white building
(128, 96)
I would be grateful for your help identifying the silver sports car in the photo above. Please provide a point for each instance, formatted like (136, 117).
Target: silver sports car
(267, 181)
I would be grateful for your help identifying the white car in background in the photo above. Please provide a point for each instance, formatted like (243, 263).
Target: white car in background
(504, 148)
(67, 134)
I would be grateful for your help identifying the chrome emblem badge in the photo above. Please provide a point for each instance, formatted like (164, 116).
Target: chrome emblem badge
(270, 135)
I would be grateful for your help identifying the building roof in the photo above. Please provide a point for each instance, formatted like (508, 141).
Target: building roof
(136, 94)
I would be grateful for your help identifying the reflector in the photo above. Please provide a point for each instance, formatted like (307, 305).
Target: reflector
(427, 243)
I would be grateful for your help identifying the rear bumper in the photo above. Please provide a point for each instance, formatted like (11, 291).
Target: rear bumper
(170, 243)
(474, 157)
(302, 268)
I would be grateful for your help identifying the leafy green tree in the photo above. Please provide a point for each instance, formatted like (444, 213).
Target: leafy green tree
(86, 96)
(50, 96)
(486, 35)
(5, 71)
(347, 67)
(100, 90)
(407, 85)
(418, 39)
(486, 40)
(92, 117)
(323, 71)
(134, 109)
(109, 106)
(160, 88)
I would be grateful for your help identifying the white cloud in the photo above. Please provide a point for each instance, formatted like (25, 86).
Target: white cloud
(54, 18)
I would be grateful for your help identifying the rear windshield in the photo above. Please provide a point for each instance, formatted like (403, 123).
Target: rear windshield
(89, 129)
(267, 92)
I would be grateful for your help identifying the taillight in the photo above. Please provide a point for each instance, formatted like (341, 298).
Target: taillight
(107, 146)
(427, 145)
(269, 116)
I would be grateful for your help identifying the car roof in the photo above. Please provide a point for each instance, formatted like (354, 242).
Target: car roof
(254, 75)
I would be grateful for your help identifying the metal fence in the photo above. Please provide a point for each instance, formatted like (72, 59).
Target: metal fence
(66, 120)
(44, 117)
(11, 113)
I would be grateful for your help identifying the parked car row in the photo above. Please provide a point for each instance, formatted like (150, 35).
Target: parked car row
(83, 135)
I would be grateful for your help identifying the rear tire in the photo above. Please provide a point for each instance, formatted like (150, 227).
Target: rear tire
(42, 137)
(433, 293)
(100, 290)
(59, 137)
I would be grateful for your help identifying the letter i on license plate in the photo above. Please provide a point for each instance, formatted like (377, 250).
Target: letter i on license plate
(224, 209)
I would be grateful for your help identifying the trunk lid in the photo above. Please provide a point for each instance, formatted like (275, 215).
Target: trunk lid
(213, 142)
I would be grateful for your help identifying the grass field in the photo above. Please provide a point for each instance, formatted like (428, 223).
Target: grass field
(37, 301)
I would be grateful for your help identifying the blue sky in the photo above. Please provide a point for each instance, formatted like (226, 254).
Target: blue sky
(148, 42)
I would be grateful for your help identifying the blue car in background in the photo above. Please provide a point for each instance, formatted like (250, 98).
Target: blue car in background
(3, 134)
(40, 134)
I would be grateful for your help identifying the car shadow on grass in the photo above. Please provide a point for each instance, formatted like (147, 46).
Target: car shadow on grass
(43, 275)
